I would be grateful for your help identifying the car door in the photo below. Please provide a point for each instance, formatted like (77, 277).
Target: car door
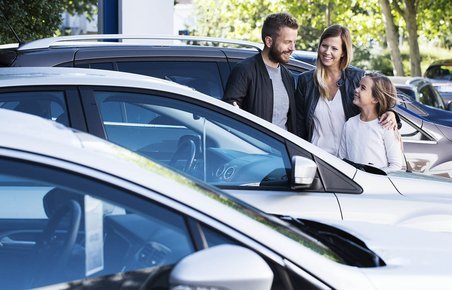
(207, 143)
(426, 149)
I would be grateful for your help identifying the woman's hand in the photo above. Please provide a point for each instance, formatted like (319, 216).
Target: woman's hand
(388, 120)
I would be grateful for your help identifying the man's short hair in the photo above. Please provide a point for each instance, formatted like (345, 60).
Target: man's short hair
(274, 22)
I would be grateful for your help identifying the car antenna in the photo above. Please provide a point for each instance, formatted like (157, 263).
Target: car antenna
(11, 28)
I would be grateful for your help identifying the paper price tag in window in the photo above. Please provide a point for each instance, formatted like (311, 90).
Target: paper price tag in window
(94, 240)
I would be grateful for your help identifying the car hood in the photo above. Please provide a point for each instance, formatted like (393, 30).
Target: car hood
(407, 253)
(431, 186)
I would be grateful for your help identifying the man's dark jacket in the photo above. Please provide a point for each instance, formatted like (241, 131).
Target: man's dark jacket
(308, 95)
(251, 87)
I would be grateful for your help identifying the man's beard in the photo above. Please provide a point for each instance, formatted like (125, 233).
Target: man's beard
(276, 56)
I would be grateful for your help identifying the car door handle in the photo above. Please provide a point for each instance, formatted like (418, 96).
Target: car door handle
(8, 242)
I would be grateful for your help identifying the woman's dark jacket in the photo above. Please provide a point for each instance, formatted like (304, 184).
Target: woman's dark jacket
(249, 85)
(307, 96)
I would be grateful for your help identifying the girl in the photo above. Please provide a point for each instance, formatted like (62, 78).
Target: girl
(364, 140)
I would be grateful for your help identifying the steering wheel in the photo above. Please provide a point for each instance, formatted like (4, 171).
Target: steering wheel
(52, 253)
(185, 149)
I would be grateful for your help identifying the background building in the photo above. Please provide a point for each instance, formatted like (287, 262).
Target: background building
(134, 17)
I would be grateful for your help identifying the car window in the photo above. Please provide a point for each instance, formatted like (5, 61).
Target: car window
(101, 65)
(213, 237)
(409, 131)
(428, 96)
(45, 104)
(203, 143)
(408, 92)
(53, 232)
(202, 76)
(439, 72)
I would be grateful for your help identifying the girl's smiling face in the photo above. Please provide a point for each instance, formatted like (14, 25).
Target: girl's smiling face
(363, 93)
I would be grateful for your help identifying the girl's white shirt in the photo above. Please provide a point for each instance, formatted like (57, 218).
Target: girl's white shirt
(370, 143)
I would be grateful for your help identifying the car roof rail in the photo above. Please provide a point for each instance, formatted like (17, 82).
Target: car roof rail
(55, 41)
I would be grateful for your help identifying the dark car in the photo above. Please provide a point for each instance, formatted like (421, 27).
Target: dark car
(420, 90)
(440, 74)
(305, 56)
(182, 59)
(428, 113)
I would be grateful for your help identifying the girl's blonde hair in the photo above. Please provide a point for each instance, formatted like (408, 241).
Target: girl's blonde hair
(320, 72)
(383, 90)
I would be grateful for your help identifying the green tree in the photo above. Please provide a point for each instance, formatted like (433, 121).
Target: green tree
(392, 37)
(242, 19)
(435, 17)
(408, 10)
(37, 18)
(430, 19)
(234, 19)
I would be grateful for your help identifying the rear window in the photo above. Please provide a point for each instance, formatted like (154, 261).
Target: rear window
(440, 72)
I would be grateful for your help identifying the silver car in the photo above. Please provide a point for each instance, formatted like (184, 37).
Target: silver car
(84, 213)
(224, 146)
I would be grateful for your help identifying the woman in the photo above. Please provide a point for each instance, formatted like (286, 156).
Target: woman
(324, 96)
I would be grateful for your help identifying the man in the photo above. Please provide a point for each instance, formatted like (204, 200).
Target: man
(261, 84)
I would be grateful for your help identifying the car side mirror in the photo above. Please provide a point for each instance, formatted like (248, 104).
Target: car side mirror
(303, 172)
(222, 267)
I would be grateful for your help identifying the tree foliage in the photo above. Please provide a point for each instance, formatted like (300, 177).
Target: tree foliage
(235, 19)
(37, 18)
(435, 20)
(242, 19)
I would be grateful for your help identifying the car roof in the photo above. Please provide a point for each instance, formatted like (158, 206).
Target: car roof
(126, 39)
(62, 49)
(30, 76)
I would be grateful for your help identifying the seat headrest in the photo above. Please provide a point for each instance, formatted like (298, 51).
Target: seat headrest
(33, 107)
(56, 197)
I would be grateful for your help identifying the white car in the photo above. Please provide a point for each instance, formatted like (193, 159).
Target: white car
(224, 146)
(81, 212)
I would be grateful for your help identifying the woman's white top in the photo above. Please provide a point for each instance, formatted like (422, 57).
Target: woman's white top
(370, 143)
(329, 119)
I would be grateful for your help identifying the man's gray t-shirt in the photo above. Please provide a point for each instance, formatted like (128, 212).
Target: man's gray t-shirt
(280, 97)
